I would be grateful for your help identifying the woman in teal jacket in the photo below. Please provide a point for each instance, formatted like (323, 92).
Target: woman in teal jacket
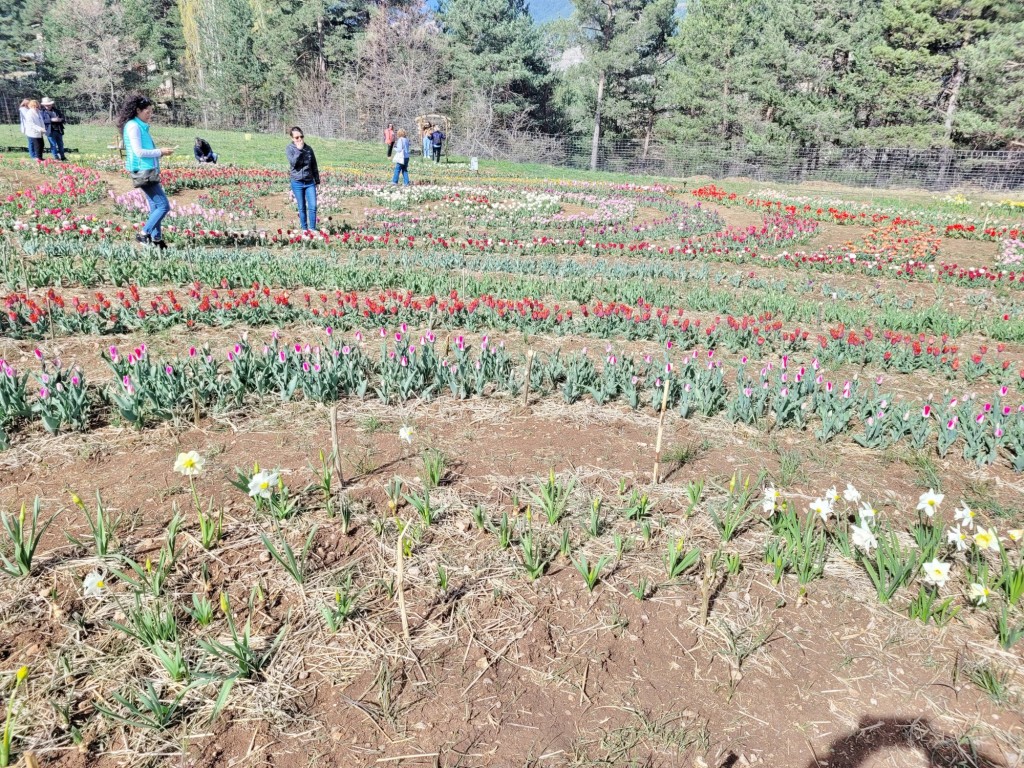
(142, 160)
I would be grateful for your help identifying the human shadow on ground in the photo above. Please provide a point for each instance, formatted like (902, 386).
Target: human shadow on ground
(874, 734)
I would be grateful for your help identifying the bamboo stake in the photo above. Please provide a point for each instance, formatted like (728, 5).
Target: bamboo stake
(49, 316)
(335, 450)
(661, 429)
(400, 584)
(529, 367)
(705, 588)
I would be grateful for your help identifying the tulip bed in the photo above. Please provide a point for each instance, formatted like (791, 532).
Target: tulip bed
(437, 472)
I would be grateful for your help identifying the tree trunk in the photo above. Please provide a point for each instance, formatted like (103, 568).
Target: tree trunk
(955, 83)
(597, 122)
(321, 60)
(725, 103)
(946, 156)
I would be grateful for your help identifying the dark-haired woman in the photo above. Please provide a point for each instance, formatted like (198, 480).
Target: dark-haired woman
(305, 178)
(142, 160)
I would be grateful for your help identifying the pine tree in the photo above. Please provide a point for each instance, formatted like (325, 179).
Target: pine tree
(625, 43)
(497, 51)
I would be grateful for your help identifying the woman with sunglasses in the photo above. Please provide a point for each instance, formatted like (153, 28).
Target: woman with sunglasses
(305, 178)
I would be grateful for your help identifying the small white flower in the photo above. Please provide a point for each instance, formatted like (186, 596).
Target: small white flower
(93, 585)
(929, 502)
(832, 495)
(958, 537)
(965, 515)
(987, 539)
(936, 572)
(867, 512)
(189, 464)
(863, 537)
(1015, 534)
(770, 500)
(263, 483)
(851, 494)
(822, 508)
(979, 594)
(406, 434)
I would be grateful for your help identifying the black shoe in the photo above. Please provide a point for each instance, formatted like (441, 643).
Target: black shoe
(143, 239)
(159, 244)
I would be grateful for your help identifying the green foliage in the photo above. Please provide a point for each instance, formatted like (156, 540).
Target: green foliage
(497, 51)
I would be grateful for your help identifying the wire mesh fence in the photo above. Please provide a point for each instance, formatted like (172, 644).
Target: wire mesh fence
(881, 167)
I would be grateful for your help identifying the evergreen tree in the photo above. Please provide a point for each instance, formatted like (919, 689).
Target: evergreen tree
(497, 51)
(625, 44)
(922, 65)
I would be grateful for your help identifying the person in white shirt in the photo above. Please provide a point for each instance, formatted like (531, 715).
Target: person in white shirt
(35, 129)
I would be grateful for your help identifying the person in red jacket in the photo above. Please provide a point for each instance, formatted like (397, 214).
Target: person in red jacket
(389, 137)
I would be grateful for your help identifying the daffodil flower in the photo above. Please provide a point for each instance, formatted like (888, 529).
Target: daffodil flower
(189, 464)
(987, 539)
(863, 537)
(929, 502)
(965, 515)
(263, 483)
(936, 572)
(867, 512)
(822, 508)
(958, 537)
(851, 494)
(979, 594)
(94, 585)
(406, 434)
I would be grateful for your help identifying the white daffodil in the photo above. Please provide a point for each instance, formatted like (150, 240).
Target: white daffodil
(987, 539)
(851, 494)
(867, 512)
(965, 515)
(958, 537)
(832, 495)
(94, 585)
(406, 434)
(189, 464)
(263, 483)
(936, 572)
(929, 502)
(979, 594)
(1015, 534)
(770, 500)
(863, 537)
(822, 508)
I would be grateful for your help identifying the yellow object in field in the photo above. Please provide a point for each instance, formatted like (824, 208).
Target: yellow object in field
(248, 137)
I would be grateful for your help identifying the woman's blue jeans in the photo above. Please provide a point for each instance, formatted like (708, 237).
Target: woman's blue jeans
(305, 199)
(403, 169)
(159, 206)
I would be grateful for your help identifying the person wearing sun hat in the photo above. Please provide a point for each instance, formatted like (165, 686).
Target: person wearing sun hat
(54, 120)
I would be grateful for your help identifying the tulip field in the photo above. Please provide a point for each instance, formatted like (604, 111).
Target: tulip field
(520, 468)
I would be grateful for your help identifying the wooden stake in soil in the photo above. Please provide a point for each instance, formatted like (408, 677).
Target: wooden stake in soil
(705, 588)
(447, 345)
(49, 316)
(529, 367)
(661, 428)
(335, 450)
(400, 585)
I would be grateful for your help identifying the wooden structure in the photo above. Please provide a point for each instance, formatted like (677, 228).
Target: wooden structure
(423, 121)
